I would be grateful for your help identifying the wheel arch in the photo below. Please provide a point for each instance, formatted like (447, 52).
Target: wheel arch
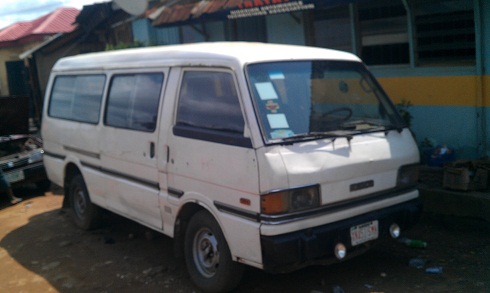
(71, 170)
(207, 255)
(185, 214)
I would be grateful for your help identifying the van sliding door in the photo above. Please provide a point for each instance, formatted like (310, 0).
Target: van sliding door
(128, 144)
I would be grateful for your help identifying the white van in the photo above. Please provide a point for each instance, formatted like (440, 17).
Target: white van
(272, 156)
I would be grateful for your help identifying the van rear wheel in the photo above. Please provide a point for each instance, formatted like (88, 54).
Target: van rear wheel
(208, 256)
(85, 214)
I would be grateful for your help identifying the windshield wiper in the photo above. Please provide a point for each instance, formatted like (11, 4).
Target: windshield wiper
(316, 135)
(370, 125)
(363, 125)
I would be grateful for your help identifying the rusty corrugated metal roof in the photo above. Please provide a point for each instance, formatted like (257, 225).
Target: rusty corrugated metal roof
(168, 12)
(175, 12)
(58, 21)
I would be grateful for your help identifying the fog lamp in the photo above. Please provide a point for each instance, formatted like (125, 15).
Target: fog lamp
(340, 251)
(395, 230)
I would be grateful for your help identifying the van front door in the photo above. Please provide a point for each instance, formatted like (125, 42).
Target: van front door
(128, 145)
(211, 159)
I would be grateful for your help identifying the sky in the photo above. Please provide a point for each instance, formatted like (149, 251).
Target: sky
(26, 10)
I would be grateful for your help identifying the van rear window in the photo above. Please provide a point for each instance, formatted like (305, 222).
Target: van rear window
(77, 97)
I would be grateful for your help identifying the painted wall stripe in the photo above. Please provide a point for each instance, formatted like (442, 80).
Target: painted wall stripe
(438, 90)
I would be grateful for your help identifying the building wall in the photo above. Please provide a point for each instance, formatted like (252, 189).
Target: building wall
(449, 96)
(449, 93)
(6, 55)
(444, 110)
(450, 103)
(484, 19)
(46, 60)
(142, 31)
(286, 29)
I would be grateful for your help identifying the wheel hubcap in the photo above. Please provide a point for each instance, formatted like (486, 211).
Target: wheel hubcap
(206, 253)
(80, 203)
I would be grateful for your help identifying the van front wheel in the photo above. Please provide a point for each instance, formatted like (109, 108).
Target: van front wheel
(208, 256)
(84, 213)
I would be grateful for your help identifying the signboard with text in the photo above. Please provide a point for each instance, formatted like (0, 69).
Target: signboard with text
(213, 11)
(269, 8)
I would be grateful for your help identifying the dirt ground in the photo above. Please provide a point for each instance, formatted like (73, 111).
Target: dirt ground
(42, 251)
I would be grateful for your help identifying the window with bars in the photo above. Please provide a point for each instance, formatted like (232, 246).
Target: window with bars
(444, 32)
(383, 32)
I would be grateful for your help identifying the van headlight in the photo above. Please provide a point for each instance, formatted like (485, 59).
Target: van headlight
(408, 176)
(35, 157)
(290, 200)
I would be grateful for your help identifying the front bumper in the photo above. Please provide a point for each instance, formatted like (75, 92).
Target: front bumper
(291, 251)
(32, 173)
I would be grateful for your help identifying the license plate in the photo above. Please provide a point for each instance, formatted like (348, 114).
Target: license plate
(364, 232)
(15, 176)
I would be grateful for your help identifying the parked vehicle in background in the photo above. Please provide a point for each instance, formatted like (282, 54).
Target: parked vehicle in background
(273, 156)
(21, 160)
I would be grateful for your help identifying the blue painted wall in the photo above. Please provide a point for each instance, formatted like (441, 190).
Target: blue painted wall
(286, 29)
(150, 36)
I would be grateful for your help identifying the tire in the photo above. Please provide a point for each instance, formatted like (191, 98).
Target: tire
(85, 214)
(208, 256)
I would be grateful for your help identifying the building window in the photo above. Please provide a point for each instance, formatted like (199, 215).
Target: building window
(444, 31)
(384, 32)
(332, 28)
(133, 101)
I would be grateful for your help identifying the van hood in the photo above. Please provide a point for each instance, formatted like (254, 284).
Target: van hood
(336, 165)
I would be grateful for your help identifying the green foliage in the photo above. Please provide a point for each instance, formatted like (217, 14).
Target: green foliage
(426, 143)
(403, 110)
(121, 46)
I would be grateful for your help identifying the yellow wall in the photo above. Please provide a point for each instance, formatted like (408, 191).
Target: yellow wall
(10, 54)
(486, 90)
(439, 90)
(6, 54)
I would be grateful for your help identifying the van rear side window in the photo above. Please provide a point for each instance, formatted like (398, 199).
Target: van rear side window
(133, 101)
(77, 97)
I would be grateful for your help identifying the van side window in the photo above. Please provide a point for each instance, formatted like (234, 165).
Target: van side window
(77, 97)
(133, 101)
(209, 100)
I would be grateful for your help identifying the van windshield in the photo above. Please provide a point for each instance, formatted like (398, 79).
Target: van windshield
(301, 100)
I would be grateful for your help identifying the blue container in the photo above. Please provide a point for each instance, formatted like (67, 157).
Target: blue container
(434, 270)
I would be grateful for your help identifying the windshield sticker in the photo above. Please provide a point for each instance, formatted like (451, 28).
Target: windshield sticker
(281, 133)
(276, 75)
(277, 121)
(266, 91)
(272, 106)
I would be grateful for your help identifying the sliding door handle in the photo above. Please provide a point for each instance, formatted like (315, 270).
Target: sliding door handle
(152, 150)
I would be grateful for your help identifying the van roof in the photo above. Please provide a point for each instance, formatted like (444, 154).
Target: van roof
(200, 54)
